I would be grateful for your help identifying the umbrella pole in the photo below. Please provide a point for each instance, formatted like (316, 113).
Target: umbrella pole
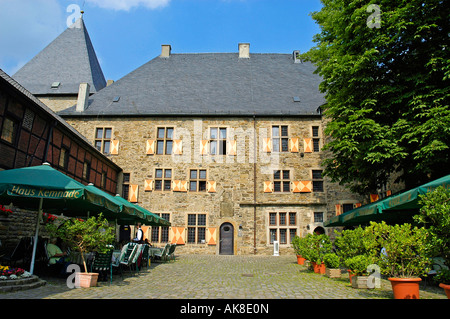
(36, 235)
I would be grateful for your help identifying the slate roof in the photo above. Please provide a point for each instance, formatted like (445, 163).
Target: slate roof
(211, 84)
(70, 59)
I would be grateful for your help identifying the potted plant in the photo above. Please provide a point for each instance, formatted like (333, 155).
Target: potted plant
(435, 218)
(359, 270)
(332, 263)
(405, 257)
(319, 246)
(299, 247)
(92, 235)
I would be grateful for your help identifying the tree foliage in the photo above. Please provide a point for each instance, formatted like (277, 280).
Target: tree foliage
(387, 90)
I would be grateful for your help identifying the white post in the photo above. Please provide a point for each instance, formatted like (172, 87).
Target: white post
(41, 200)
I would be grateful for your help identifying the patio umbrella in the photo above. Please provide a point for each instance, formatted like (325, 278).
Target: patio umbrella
(40, 187)
(148, 217)
(396, 208)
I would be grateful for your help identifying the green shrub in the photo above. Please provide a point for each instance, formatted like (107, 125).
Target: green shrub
(358, 264)
(331, 260)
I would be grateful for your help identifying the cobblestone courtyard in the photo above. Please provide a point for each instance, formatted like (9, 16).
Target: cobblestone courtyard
(220, 277)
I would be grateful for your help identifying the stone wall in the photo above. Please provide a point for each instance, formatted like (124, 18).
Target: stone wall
(236, 176)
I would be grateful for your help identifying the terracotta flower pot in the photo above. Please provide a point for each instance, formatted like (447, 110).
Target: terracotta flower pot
(446, 289)
(350, 275)
(319, 269)
(300, 260)
(87, 280)
(405, 288)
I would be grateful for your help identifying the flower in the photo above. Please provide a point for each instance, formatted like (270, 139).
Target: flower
(12, 273)
(5, 211)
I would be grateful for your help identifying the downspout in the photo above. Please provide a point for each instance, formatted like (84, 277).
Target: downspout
(254, 183)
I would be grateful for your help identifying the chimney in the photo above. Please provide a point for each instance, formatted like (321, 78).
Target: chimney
(244, 50)
(296, 56)
(165, 50)
(83, 97)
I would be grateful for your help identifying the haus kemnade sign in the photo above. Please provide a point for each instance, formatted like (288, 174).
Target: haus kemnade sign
(39, 192)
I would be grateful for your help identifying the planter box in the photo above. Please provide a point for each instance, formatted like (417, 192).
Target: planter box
(86, 280)
(360, 282)
(333, 272)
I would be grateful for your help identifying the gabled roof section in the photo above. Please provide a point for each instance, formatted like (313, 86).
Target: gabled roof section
(65, 63)
(209, 84)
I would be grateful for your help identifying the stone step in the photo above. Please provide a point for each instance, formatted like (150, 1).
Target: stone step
(21, 284)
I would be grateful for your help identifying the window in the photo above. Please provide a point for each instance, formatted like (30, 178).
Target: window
(126, 185)
(317, 181)
(280, 139)
(64, 158)
(161, 234)
(197, 180)
(218, 140)
(103, 139)
(196, 228)
(86, 170)
(163, 179)
(164, 142)
(318, 217)
(9, 130)
(282, 227)
(281, 181)
(316, 139)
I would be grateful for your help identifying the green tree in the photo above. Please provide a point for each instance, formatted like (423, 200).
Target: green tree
(387, 90)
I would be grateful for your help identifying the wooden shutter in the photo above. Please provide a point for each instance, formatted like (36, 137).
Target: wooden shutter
(338, 209)
(267, 145)
(356, 205)
(232, 148)
(373, 197)
(184, 186)
(211, 236)
(133, 193)
(308, 145)
(293, 145)
(177, 147)
(150, 147)
(305, 186)
(179, 186)
(177, 235)
(295, 187)
(114, 147)
(268, 187)
(204, 147)
(211, 187)
(148, 186)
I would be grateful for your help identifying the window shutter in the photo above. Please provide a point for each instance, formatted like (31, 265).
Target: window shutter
(295, 187)
(211, 186)
(114, 147)
(150, 148)
(267, 143)
(211, 236)
(148, 186)
(356, 205)
(268, 187)
(133, 193)
(204, 147)
(232, 149)
(293, 145)
(305, 186)
(177, 235)
(308, 145)
(373, 197)
(338, 208)
(176, 185)
(177, 147)
(184, 186)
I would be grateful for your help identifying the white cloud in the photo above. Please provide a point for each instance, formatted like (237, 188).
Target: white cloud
(126, 5)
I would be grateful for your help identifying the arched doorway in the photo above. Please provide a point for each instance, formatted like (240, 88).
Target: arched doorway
(226, 246)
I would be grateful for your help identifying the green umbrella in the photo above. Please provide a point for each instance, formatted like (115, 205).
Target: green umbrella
(42, 187)
(149, 218)
(393, 209)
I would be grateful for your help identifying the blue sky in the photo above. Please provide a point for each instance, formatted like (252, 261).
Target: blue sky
(128, 33)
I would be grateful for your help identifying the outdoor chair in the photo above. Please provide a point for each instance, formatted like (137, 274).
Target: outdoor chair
(171, 252)
(135, 259)
(163, 255)
(145, 256)
(103, 263)
(116, 263)
(129, 256)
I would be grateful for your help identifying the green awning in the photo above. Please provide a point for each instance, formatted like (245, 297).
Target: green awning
(396, 208)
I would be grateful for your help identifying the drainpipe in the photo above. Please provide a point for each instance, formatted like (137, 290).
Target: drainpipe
(254, 183)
